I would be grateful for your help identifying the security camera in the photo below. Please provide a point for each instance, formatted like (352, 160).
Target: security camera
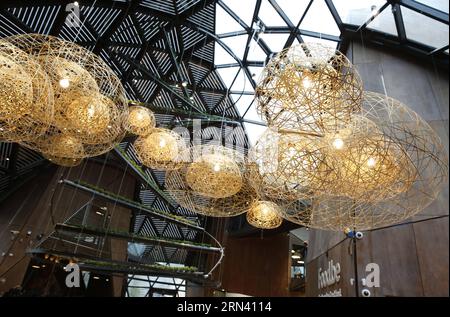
(359, 235)
(365, 292)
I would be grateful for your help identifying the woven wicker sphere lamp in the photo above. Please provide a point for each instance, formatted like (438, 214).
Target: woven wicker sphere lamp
(264, 215)
(288, 166)
(215, 173)
(160, 149)
(64, 150)
(90, 102)
(399, 173)
(308, 87)
(221, 188)
(141, 120)
(26, 96)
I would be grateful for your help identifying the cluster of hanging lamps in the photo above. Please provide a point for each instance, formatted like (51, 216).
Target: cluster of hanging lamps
(335, 156)
(77, 104)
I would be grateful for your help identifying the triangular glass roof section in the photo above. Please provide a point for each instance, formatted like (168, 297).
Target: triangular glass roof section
(255, 52)
(294, 9)
(228, 74)
(275, 41)
(431, 32)
(269, 15)
(236, 44)
(357, 12)
(221, 56)
(441, 5)
(243, 9)
(242, 84)
(384, 22)
(319, 19)
(225, 22)
(310, 39)
(242, 102)
(256, 72)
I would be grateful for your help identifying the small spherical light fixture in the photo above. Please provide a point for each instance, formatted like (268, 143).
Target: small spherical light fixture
(215, 175)
(264, 215)
(160, 149)
(213, 181)
(141, 120)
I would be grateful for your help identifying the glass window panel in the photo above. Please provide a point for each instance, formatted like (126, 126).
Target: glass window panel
(274, 41)
(256, 72)
(252, 114)
(225, 23)
(242, 83)
(221, 56)
(357, 12)
(441, 5)
(293, 9)
(228, 74)
(423, 29)
(236, 44)
(319, 19)
(254, 131)
(269, 15)
(242, 102)
(384, 22)
(255, 52)
(245, 12)
(309, 39)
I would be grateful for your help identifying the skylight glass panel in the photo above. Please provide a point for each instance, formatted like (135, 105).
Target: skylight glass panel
(384, 22)
(256, 72)
(319, 19)
(294, 9)
(309, 39)
(255, 52)
(423, 29)
(357, 12)
(225, 22)
(242, 9)
(221, 56)
(275, 41)
(441, 5)
(228, 74)
(269, 15)
(242, 84)
(242, 102)
(236, 44)
(252, 114)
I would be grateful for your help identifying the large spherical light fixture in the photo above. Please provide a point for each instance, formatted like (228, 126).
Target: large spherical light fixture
(141, 120)
(418, 164)
(90, 101)
(197, 197)
(160, 149)
(215, 173)
(366, 163)
(264, 215)
(309, 87)
(26, 96)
